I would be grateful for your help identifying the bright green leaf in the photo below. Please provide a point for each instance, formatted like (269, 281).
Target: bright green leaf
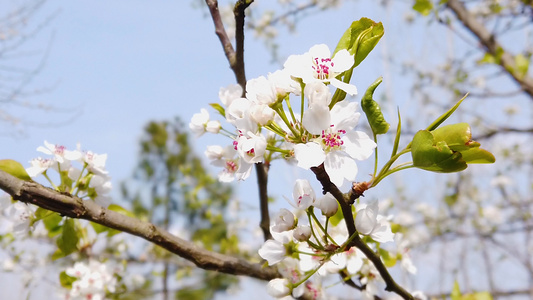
(218, 108)
(67, 242)
(66, 280)
(359, 39)
(456, 292)
(14, 168)
(121, 210)
(398, 133)
(373, 111)
(436, 157)
(522, 65)
(457, 136)
(424, 7)
(388, 259)
(478, 156)
(445, 116)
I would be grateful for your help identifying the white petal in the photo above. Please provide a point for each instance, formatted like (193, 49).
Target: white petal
(309, 155)
(273, 251)
(350, 89)
(366, 219)
(343, 61)
(320, 50)
(316, 119)
(358, 145)
(340, 167)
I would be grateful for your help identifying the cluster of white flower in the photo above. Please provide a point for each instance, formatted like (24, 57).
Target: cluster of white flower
(320, 249)
(18, 216)
(91, 181)
(92, 281)
(321, 132)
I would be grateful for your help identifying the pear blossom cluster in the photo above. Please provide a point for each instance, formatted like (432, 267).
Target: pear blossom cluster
(91, 181)
(92, 280)
(309, 245)
(290, 114)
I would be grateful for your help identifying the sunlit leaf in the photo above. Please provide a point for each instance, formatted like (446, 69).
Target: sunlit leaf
(373, 111)
(424, 7)
(218, 108)
(67, 242)
(66, 280)
(14, 168)
(445, 116)
(434, 157)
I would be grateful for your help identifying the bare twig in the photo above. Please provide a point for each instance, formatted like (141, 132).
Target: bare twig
(236, 61)
(492, 46)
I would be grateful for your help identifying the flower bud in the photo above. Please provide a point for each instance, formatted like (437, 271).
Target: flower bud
(302, 233)
(284, 221)
(328, 205)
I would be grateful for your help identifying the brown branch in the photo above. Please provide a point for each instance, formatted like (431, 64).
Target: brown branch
(74, 207)
(345, 204)
(236, 61)
(492, 46)
(262, 182)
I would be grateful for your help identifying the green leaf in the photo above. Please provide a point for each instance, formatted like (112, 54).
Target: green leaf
(389, 260)
(67, 242)
(478, 296)
(218, 108)
(457, 136)
(522, 65)
(51, 221)
(101, 228)
(66, 280)
(14, 168)
(445, 116)
(360, 38)
(456, 292)
(436, 157)
(424, 7)
(398, 133)
(478, 156)
(121, 210)
(373, 111)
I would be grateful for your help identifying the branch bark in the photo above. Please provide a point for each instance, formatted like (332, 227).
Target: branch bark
(345, 204)
(492, 46)
(74, 207)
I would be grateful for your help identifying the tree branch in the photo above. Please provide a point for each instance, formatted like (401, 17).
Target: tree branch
(236, 62)
(489, 42)
(345, 204)
(74, 207)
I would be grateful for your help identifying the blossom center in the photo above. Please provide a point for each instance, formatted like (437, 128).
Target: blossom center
(231, 166)
(321, 67)
(332, 140)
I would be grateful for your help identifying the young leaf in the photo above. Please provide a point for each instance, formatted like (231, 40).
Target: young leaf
(14, 168)
(218, 108)
(360, 38)
(424, 7)
(373, 111)
(397, 138)
(436, 157)
(68, 240)
(445, 116)
(66, 280)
